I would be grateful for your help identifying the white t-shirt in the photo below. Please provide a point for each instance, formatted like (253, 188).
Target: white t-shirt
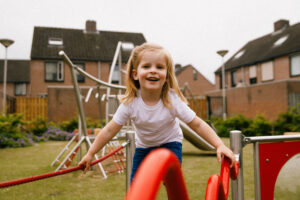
(155, 125)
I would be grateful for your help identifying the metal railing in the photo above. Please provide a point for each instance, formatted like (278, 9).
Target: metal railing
(237, 142)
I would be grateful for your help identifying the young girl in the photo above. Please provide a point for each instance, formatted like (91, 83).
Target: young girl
(153, 102)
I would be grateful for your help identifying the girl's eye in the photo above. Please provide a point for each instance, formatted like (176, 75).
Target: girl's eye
(160, 67)
(146, 66)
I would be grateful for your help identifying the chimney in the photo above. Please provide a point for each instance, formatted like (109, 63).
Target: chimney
(282, 23)
(90, 26)
(177, 67)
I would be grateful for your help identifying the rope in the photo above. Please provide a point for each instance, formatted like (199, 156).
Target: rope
(65, 171)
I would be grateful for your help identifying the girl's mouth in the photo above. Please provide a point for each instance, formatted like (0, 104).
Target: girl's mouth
(152, 79)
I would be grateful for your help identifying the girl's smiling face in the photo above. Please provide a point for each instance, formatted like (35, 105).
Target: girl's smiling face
(151, 71)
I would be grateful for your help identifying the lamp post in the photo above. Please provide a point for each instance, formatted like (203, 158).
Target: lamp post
(6, 43)
(222, 53)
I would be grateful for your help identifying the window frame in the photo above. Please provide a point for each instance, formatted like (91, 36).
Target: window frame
(116, 72)
(15, 88)
(253, 79)
(233, 75)
(294, 55)
(263, 79)
(59, 67)
(81, 65)
(54, 41)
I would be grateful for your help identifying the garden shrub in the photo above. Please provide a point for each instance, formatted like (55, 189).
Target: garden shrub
(288, 122)
(249, 127)
(54, 133)
(72, 124)
(11, 134)
(238, 122)
(69, 126)
(259, 126)
(38, 126)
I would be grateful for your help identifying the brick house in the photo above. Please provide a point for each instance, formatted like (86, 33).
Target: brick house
(191, 78)
(17, 81)
(91, 49)
(194, 86)
(18, 77)
(263, 77)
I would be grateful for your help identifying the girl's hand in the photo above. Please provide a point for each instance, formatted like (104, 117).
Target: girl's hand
(86, 161)
(222, 151)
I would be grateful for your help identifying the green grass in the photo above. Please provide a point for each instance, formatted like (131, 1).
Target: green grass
(16, 163)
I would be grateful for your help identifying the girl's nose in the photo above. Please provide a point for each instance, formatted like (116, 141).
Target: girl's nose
(153, 69)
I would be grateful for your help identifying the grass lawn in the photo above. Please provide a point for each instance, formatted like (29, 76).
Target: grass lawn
(16, 163)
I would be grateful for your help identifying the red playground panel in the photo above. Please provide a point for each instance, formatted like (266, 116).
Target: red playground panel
(272, 157)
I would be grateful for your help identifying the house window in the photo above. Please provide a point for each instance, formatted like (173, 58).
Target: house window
(195, 75)
(233, 78)
(295, 65)
(54, 71)
(80, 77)
(55, 41)
(116, 77)
(20, 89)
(267, 71)
(252, 75)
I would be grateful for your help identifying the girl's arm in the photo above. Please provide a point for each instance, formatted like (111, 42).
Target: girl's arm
(206, 132)
(104, 136)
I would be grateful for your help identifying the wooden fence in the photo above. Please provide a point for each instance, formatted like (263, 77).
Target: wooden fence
(199, 106)
(32, 108)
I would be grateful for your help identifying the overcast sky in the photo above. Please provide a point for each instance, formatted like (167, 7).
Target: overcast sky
(192, 30)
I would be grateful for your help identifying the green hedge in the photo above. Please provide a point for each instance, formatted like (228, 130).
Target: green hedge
(258, 126)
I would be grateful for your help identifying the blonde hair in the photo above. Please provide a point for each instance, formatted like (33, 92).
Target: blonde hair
(133, 85)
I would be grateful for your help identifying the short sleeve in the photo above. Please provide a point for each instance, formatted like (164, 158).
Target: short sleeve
(122, 115)
(182, 110)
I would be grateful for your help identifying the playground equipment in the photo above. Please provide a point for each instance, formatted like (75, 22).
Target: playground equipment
(112, 103)
(218, 186)
(168, 170)
(270, 154)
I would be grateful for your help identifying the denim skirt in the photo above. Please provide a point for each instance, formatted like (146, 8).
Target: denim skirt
(141, 153)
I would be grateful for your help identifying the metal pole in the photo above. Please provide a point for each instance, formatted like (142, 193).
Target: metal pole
(236, 144)
(130, 149)
(4, 84)
(6, 43)
(223, 90)
(222, 53)
(77, 92)
(256, 170)
(79, 136)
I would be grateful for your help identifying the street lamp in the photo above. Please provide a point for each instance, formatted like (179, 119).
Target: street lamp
(6, 43)
(222, 53)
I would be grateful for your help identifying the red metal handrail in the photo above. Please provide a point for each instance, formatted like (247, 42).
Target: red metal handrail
(160, 165)
(218, 186)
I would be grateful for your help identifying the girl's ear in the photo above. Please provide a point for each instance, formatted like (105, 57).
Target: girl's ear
(134, 75)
